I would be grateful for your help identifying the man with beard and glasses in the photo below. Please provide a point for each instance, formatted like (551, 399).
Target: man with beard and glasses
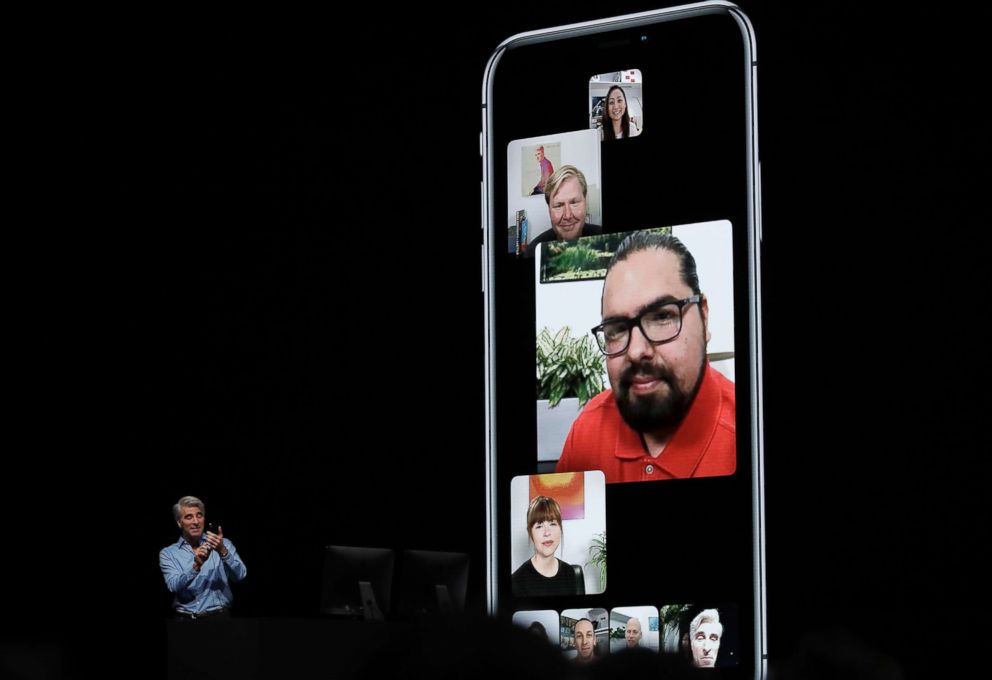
(669, 414)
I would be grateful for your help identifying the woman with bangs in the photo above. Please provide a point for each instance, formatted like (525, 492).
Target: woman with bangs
(543, 573)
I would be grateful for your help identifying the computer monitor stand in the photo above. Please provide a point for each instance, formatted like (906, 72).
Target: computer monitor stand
(443, 598)
(370, 607)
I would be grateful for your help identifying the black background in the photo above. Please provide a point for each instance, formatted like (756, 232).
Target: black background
(230, 239)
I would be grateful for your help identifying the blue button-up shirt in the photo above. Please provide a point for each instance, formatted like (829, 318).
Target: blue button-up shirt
(197, 592)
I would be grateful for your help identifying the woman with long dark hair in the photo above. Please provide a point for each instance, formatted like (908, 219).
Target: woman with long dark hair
(616, 122)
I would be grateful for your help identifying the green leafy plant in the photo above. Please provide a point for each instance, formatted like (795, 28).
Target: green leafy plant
(597, 556)
(567, 367)
(575, 258)
(670, 614)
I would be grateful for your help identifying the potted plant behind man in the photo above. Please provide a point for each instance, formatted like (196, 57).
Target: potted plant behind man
(570, 372)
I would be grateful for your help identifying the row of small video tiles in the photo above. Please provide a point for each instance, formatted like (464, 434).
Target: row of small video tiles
(705, 635)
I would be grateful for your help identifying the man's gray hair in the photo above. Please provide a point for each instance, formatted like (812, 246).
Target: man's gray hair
(186, 502)
(705, 616)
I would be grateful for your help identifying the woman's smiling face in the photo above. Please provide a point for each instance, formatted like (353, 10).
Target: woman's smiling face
(616, 104)
(546, 536)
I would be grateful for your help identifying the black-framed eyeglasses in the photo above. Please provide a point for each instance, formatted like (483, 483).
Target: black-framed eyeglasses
(659, 323)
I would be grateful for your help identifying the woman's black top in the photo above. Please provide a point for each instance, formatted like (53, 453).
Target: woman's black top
(528, 582)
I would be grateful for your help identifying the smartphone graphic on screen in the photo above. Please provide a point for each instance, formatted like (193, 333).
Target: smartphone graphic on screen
(622, 240)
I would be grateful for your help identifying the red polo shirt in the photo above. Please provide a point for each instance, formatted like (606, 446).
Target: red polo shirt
(704, 445)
